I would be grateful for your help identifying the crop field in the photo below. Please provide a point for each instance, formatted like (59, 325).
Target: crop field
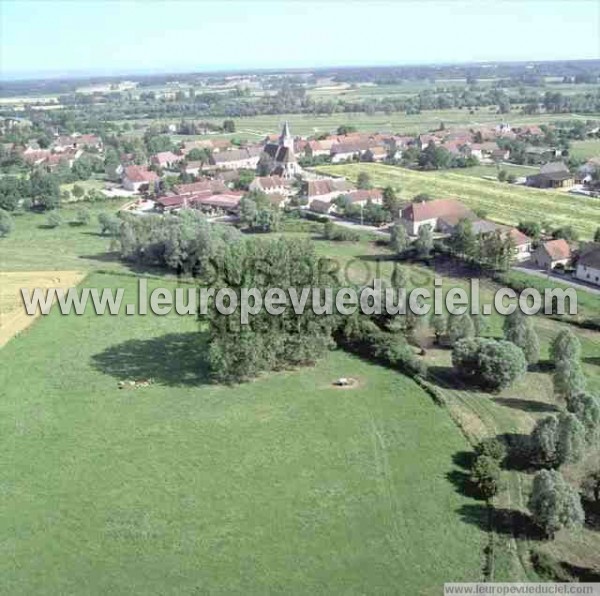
(282, 485)
(508, 204)
(13, 318)
(256, 127)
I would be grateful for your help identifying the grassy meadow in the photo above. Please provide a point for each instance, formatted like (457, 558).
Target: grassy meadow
(502, 202)
(282, 485)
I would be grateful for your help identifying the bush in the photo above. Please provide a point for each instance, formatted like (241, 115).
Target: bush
(82, 217)
(486, 476)
(491, 364)
(491, 447)
(6, 223)
(54, 220)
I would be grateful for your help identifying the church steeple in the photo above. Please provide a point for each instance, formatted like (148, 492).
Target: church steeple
(285, 139)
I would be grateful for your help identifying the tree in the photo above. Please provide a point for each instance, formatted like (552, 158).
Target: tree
(460, 327)
(492, 447)
(78, 191)
(6, 223)
(82, 217)
(109, 224)
(533, 229)
(556, 440)
(491, 364)
(229, 126)
(424, 241)
(462, 241)
(345, 129)
(571, 439)
(399, 239)
(486, 475)
(518, 329)
(587, 409)
(568, 378)
(364, 181)
(591, 486)
(54, 220)
(554, 504)
(391, 202)
(597, 235)
(439, 324)
(568, 233)
(481, 324)
(502, 175)
(565, 346)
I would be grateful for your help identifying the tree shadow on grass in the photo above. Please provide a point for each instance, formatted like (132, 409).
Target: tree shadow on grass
(592, 513)
(175, 359)
(526, 405)
(595, 360)
(509, 522)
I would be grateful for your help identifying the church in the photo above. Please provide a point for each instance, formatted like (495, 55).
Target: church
(278, 158)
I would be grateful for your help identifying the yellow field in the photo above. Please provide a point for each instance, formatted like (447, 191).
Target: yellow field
(13, 318)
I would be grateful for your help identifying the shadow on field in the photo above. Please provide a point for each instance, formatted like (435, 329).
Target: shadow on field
(595, 360)
(526, 405)
(509, 522)
(175, 359)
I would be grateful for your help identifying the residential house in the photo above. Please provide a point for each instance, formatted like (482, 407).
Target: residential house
(136, 178)
(549, 254)
(351, 149)
(522, 243)
(204, 185)
(272, 185)
(588, 265)
(235, 159)
(166, 159)
(441, 214)
(362, 197)
(552, 175)
(316, 148)
(322, 206)
(373, 154)
(327, 189)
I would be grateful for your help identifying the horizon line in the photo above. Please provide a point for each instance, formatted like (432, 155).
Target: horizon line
(228, 69)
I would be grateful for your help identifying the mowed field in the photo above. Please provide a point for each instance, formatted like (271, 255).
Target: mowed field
(502, 202)
(282, 485)
(585, 149)
(13, 318)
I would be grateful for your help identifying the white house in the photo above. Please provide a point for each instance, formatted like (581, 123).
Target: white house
(588, 265)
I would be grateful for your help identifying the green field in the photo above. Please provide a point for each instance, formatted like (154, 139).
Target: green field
(585, 149)
(501, 202)
(283, 485)
(256, 127)
(483, 171)
(32, 246)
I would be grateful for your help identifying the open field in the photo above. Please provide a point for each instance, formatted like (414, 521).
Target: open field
(483, 171)
(501, 202)
(32, 246)
(87, 185)
(585, 149)
(256, 127)
(13, 318)
(282, 485)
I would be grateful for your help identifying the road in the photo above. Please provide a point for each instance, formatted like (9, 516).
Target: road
(559, 278)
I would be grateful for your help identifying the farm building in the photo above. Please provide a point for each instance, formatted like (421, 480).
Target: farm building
(552, 175)
(136, 178)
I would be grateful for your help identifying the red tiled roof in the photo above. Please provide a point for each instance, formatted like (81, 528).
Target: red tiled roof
(140, 174)
(357, 196)
(440, 208)
(557, 250)
(201, 186)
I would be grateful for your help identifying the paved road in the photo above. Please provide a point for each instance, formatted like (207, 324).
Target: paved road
(559, 278)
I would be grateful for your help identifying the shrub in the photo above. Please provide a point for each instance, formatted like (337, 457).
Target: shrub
(54, 220)
(491, 364)
(587, 409)
(486, 475)
(491, 447)
(6, 223)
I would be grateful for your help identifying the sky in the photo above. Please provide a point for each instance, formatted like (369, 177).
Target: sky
(76, 37)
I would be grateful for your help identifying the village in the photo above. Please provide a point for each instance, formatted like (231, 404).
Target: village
(218, 175)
